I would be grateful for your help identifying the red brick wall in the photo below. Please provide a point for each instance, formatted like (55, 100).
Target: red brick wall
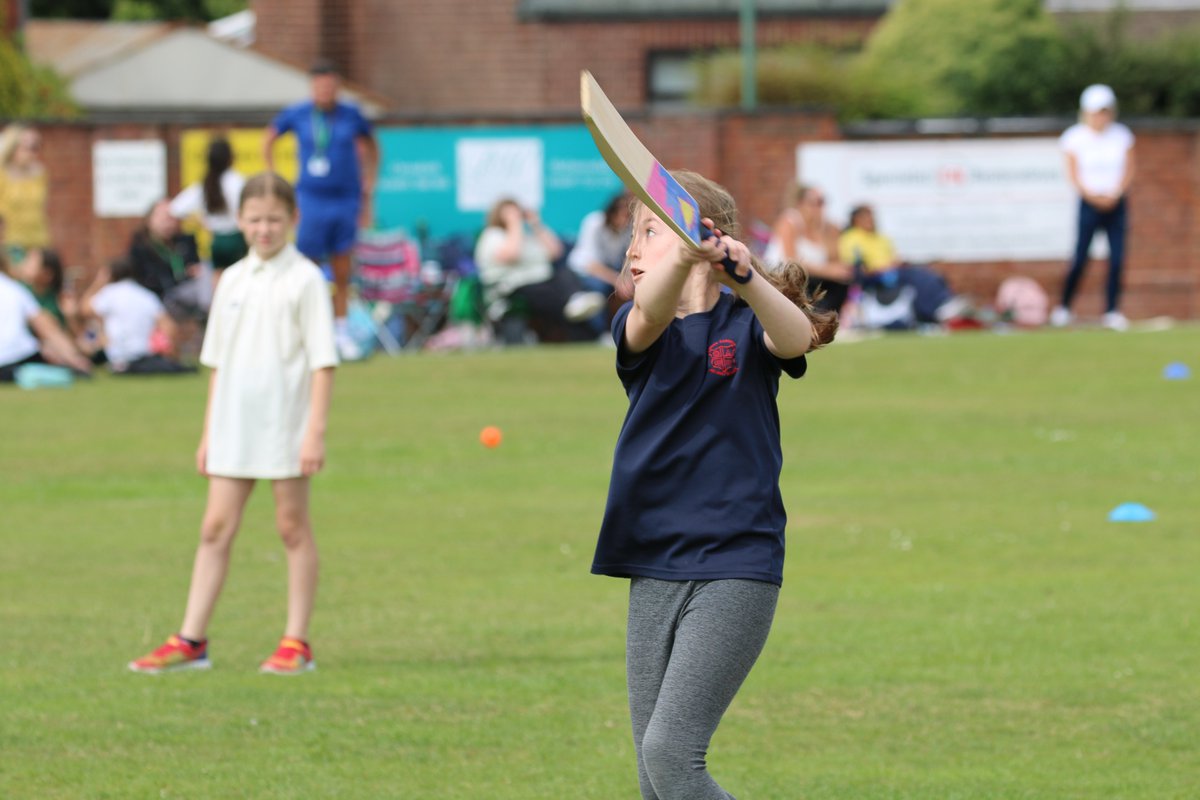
(84, 240)
(754, 156)
(291, 30)
(477, 56)
(1162, 268)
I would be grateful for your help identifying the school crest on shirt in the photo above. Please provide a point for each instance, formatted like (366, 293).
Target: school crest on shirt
(722, 357)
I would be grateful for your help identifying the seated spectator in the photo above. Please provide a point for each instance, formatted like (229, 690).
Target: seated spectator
(599, 251)
(803, 234)
(41, 271)
(879, 268)
(29, 334)
(166, 262)
(515, 255)
(132, 319)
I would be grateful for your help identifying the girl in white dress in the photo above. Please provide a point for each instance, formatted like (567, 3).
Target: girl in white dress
(270, 345)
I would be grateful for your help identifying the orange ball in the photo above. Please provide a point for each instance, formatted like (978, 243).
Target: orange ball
(490, 436)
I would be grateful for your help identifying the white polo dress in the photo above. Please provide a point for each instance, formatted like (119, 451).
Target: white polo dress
(270, 327)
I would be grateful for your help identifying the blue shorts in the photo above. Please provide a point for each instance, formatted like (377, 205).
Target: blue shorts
(328, 225)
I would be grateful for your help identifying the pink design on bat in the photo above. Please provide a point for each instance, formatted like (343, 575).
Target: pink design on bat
(675, 200)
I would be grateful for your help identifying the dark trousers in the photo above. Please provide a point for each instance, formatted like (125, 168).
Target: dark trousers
(1114, 223)
(545, 302)
(8, 372)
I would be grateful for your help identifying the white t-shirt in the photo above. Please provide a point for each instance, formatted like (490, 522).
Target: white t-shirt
(130, 312)
(17, 307)
(191, 201)
(598, 243)
(501, 278)
(1100, 156)
(269, 329)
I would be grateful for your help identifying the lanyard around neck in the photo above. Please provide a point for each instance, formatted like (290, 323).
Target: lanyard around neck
(321, 134)
(171, 256)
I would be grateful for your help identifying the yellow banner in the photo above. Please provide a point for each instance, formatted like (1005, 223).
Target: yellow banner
(247, 144)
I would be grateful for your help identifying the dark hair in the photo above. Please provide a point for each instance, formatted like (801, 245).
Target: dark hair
(855, 212)
(52, 262)
(624, 200)
(790, 279)
(220, 159)
(120, 269)
(269, 184)
(323, 66)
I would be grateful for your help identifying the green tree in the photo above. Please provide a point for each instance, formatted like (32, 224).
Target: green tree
(948, 58)
(28, 91)
(191, 10)
(71, 9)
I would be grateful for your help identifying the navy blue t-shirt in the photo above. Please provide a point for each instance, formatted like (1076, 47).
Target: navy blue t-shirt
(330, 136)
(695, 481)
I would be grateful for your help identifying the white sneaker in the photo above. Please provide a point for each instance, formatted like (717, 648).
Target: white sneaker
(583, 305)
(348, 349)
(1060, 317)
(954, 307)
(1115, 321)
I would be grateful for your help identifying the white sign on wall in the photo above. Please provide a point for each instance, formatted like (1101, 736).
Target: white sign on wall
(127, 177)
(488, 169)
(993, 200)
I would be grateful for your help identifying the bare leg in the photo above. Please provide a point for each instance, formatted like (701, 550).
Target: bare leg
(222, 517)
(341, 282)
(295, 529)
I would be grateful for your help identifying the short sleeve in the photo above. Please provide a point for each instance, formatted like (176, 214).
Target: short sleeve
(1069, 141)
(214, 330)
(1127, 137)
(28, 303)
(792, 367)
(316, 323)
(285, 121)
(362, 125)
(187, 202)
(102, 301)
(632, 365)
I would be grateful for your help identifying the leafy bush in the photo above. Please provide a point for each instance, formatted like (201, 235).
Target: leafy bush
(983, 57)
(932, 58)
(28, 91)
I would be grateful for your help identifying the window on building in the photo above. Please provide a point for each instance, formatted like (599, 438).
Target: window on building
(671, 77)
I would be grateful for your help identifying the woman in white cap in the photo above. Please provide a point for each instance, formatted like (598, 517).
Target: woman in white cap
(1100, 166)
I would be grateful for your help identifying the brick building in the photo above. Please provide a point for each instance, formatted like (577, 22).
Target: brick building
(501, 62)
(523, 57)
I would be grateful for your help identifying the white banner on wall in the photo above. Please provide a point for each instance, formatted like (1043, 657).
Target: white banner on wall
(961, 201)
(489, 169)
(127, 176)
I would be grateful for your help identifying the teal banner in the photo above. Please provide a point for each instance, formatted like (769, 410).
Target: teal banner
(443, 180)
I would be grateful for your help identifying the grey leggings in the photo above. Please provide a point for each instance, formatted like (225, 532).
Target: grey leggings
(689, 646)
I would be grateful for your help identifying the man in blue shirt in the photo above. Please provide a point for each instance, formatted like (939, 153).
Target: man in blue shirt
(338, 163)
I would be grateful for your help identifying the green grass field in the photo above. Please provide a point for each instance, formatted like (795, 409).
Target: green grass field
(958, 619)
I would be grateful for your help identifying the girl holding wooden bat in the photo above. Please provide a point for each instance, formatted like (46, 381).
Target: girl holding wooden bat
(694, 515)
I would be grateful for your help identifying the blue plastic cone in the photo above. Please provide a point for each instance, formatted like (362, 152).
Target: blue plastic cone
(1130, 512)
(1177, 372)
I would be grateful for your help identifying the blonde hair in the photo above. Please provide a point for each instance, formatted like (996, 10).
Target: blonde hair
(790, 278)
(8, 141)
(269, 184)
(495, 219)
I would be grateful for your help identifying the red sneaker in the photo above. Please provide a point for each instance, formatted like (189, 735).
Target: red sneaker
(291, 658)
(175, 655)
